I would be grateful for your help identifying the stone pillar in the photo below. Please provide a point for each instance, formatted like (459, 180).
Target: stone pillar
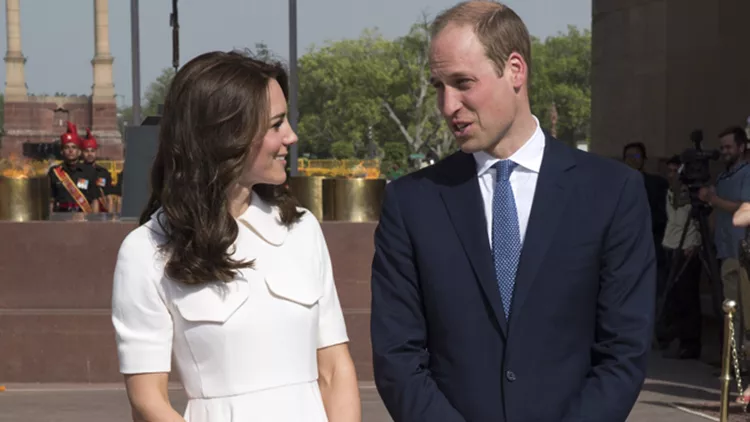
(103, 101)
(103, 89)
(15, 78)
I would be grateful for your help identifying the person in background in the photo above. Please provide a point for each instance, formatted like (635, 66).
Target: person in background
(682, 315)
(731, 190)
(103, 181)
(72, 185)
(634, 155)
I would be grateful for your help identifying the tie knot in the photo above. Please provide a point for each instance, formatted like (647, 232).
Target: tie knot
(504, 168)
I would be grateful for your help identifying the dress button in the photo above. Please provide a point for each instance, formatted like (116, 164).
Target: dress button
(510, 376)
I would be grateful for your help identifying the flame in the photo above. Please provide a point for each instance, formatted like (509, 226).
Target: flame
(22, 168)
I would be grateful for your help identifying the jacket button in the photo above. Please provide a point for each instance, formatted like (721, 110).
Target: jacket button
(510, 376)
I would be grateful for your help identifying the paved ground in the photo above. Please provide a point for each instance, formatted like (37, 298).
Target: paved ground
(669, 382)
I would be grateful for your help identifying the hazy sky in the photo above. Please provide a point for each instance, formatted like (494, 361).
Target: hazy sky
(58, 36)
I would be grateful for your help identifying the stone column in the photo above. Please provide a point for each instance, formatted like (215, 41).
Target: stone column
(15, 78)
(103, 89)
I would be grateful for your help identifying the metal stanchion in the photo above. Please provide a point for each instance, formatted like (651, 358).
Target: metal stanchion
(729, 360)
(729, 307)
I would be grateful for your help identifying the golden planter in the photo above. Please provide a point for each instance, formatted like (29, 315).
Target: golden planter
(309, 192)
(24, 198)
(354, 200)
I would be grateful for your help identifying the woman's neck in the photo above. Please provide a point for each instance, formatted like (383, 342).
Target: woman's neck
(238, 199)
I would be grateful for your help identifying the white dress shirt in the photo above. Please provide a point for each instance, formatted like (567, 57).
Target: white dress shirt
(522, 180)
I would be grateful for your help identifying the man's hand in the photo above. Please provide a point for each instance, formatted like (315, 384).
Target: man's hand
(707, 194)
(742, 216)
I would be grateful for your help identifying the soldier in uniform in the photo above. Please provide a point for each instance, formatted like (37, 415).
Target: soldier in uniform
(103, 181)
(72, 186)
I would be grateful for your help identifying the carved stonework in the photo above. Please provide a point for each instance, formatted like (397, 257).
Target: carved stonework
(40, 119)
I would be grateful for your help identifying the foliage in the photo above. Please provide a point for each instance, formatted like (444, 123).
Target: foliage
(371, 90)
(561, 72)
(339, 94)
(342, 150)
(156, 92)
(371, 96)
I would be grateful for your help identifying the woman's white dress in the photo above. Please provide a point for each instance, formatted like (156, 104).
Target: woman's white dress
(244, 350)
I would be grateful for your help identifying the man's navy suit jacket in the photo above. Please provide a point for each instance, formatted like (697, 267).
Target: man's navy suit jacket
(576, 343)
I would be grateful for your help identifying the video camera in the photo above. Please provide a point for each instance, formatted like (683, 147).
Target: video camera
(695, 172)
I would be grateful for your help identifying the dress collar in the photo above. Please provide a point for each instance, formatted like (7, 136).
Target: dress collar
(264, 220)
(529, 156)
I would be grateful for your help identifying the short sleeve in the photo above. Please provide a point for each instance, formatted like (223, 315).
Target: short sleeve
(143, 325)
(331, 325)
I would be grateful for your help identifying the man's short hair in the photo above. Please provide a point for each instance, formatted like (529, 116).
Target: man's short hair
(499, 29)
(637, 145)
(740, 137)
(675, 160)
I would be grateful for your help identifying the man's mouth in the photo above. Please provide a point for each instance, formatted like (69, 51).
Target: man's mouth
(460, 128)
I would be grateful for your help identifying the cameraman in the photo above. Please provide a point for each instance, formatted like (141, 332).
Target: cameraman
(732, 188)
(682, 313)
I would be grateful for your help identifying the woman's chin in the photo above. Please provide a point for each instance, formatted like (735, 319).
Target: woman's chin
(276, 178)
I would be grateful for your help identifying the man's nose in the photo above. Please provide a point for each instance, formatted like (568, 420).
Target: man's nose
(451, 103)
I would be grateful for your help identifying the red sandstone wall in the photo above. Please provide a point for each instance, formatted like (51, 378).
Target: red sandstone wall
(42, 120)
(55, 289)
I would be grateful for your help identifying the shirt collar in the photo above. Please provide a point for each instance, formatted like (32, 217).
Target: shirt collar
(265, 220)
(529, 156)
(260, 217)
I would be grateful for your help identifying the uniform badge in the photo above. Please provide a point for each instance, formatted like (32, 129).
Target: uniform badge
(83, 184)
(101, 182)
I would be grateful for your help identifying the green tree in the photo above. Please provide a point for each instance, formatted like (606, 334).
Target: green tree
(370, 91)
(339, 97)
(561, 82)
(156, 92)
(342, 150)
(410, 101)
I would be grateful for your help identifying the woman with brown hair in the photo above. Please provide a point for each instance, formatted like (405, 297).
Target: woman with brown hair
(226, 274)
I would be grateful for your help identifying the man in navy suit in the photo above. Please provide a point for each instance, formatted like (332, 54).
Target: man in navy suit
(514, 280)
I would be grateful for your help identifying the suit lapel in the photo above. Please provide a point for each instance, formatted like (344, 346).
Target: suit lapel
(548, 207)
(463, 200)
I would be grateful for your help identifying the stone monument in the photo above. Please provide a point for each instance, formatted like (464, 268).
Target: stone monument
(41, 119)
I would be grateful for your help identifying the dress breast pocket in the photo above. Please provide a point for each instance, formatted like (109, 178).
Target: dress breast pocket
(297, 287)
(211, 303)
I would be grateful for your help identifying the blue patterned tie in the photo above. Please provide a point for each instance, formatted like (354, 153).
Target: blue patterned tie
(506, 236)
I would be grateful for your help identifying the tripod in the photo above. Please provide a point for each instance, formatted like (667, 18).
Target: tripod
(698, 215)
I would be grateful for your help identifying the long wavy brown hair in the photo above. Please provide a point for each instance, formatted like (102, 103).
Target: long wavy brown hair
(215, 114)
